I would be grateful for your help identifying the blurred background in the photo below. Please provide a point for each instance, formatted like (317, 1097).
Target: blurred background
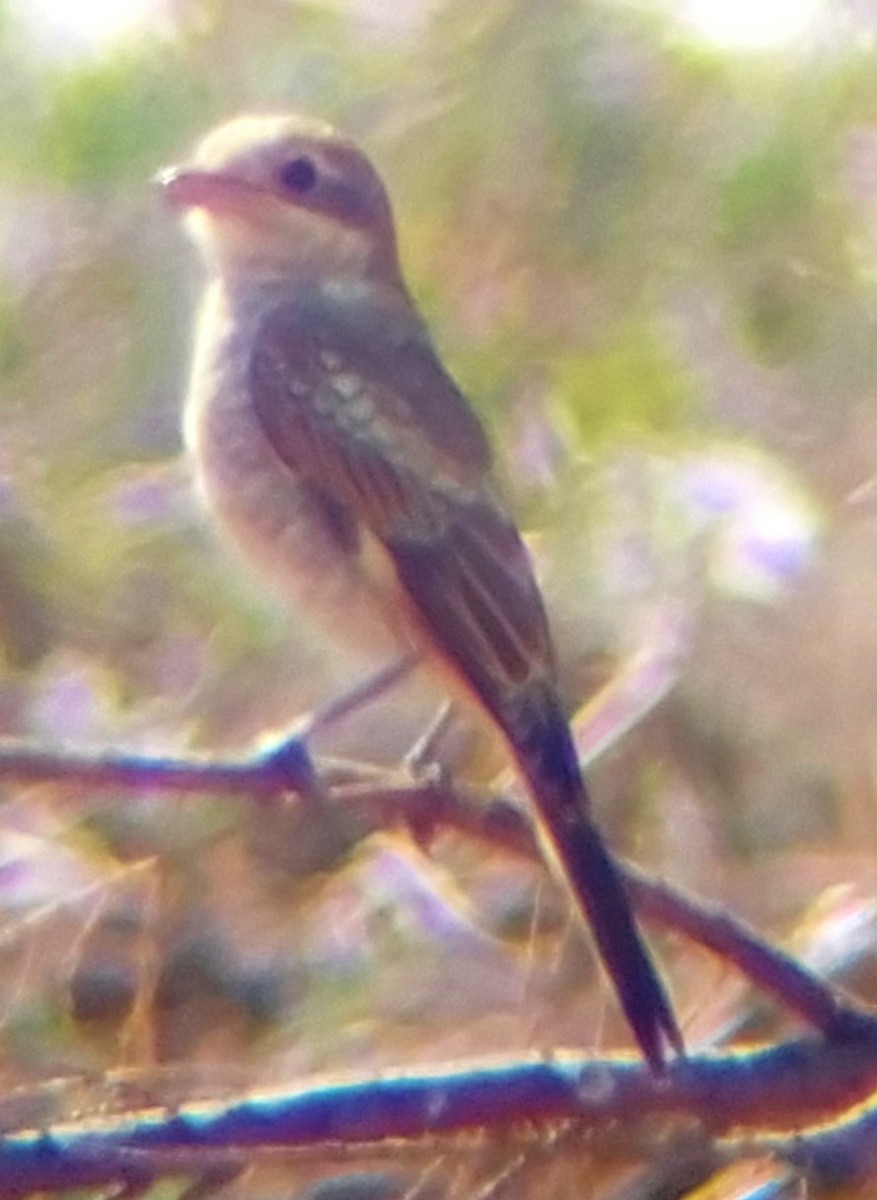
(645, 236)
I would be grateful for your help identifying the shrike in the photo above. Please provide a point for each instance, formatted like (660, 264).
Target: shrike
(338, 453)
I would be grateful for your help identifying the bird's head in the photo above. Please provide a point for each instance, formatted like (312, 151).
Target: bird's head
(275, 197)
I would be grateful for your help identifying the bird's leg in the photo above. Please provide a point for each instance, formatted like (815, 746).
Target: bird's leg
(293, 747)
(338, 709)
(290, 757)
(422, 756)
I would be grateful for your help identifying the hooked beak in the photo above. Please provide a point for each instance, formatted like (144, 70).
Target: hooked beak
(216, 191)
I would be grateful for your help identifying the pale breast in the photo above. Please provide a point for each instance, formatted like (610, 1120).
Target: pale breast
(273, 517)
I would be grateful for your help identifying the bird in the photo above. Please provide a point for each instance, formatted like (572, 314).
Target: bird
(335, 449)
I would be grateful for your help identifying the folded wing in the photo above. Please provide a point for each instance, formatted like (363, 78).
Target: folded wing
(353, 398)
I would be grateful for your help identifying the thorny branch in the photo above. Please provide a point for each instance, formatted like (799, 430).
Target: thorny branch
(765, 1091)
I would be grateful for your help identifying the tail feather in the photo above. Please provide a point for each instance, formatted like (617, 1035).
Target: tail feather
(481, 608)
(543, 747)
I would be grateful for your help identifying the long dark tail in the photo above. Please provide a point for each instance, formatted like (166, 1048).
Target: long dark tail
(542, 744)
(480, 606)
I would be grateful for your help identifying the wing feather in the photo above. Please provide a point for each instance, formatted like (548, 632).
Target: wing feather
(378, 426)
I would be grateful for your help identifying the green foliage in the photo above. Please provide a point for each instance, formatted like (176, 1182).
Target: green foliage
(614, 230)
(650, 263)
(576, 186)
(633, 384)
(106, 121)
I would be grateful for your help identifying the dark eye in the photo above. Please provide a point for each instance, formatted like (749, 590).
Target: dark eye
(298, 175)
